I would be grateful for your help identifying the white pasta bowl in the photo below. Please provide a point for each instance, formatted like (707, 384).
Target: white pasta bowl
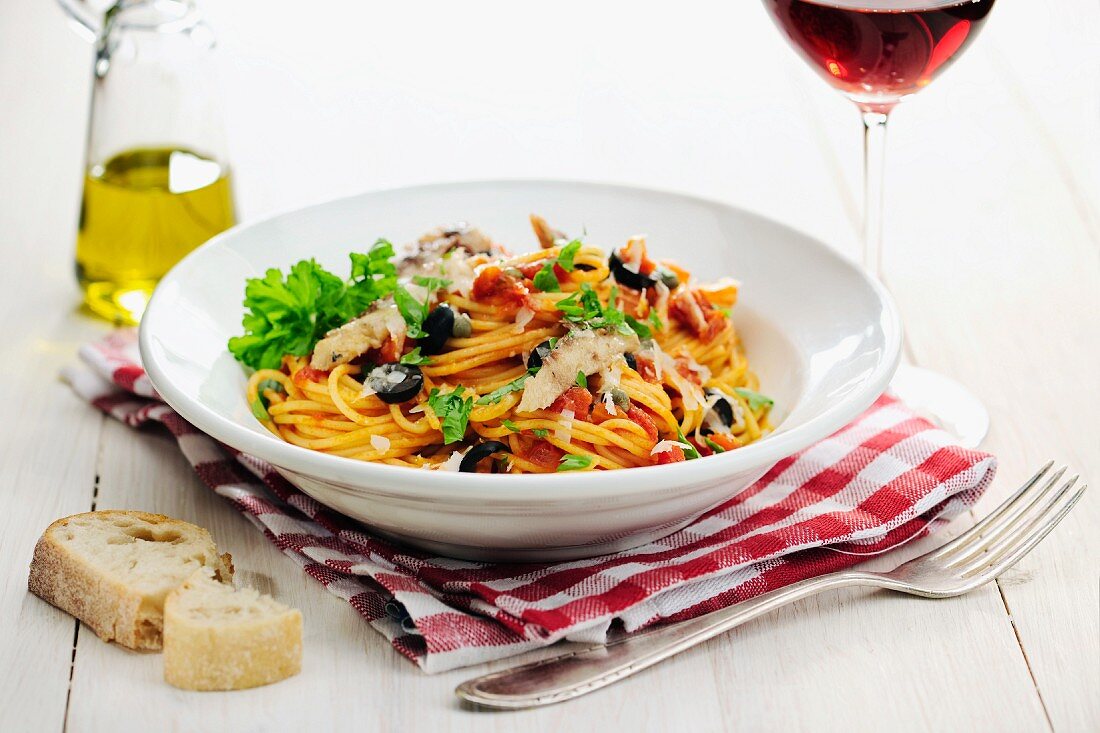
(823, 337)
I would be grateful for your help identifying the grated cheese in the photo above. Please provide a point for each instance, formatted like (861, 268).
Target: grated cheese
(452, 463)
(523, 316)
(666, 445)
(565, 434)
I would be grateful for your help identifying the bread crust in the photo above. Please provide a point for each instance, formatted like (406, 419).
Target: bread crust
(115, 611)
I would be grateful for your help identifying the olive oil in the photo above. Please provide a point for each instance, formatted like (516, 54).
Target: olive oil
(141, 212)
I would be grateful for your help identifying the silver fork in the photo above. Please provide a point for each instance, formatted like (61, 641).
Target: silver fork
(970, 560)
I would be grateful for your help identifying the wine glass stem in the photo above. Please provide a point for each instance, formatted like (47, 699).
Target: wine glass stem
(874, 158)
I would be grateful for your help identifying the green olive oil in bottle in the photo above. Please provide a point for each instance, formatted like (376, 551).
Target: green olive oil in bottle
(142, 211)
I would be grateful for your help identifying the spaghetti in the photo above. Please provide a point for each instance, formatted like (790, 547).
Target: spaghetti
(560, 359)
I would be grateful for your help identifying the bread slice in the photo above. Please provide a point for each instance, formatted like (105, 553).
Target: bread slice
(220, 638)
(113, 570)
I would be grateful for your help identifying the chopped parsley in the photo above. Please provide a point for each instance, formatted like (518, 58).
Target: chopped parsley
(585, 309)
(412, 310)
(453, 412)
(755, 399)
(546, 278)
(540, 432)
(510, 425)
(432, 284)
(690, 453)
(567, 254)
(260, 404)
(414, 357)
(643, 331)
(259, 410)
(497, 394)
(582, 379)
(573, 462)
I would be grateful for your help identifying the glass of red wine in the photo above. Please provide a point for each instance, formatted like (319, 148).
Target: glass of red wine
(877, 53)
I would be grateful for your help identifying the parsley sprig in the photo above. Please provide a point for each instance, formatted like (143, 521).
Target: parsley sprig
(290, 314)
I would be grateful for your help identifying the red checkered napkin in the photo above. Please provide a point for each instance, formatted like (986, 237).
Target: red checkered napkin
(886, 478)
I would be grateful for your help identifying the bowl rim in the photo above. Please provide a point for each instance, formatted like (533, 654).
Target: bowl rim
(400, 481)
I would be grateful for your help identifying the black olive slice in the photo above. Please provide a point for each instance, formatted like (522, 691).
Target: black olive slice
(437, 328)
(722, 407)
(627, 278)
(481, 451)
(540, 352)
(631, 360)
(395, 382)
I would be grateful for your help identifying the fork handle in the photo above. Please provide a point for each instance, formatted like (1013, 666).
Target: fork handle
(571, 675)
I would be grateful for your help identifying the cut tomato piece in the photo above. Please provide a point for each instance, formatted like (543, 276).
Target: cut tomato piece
(577, 399)
(727, 442)
(493, 286)
(600, 413)
(532, 268)
(646, 370)
(308, 374)
(544, 454)
(684, 368)
(675, 454)
(694, 312)
(642, 418)
(390, 351)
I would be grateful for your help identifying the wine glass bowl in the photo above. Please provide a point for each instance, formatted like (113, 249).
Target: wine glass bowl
(879, 52)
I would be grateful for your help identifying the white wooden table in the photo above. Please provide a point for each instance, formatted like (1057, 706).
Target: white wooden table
(993, 229)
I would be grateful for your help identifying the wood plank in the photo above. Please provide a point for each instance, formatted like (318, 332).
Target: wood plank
(47, 455)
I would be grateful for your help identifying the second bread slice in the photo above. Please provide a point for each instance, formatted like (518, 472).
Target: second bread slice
(220, 638)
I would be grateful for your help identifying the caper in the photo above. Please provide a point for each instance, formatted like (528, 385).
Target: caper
(669, 279)
(462, 327)
(620, 398)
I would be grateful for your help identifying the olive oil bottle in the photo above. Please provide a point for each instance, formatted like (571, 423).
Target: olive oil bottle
(142, 211)
(156, 180)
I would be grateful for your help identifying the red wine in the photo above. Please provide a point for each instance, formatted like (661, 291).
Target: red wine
(878, 51)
